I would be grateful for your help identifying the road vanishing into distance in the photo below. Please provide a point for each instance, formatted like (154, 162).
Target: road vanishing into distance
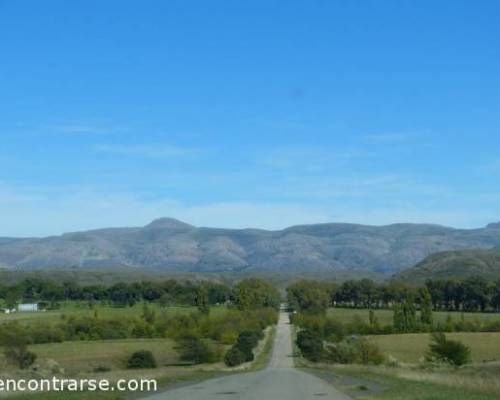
(278, 381)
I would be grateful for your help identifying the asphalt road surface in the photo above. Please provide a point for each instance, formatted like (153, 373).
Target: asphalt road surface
(279, 381)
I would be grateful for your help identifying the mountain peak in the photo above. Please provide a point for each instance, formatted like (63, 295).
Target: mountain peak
(168, 223)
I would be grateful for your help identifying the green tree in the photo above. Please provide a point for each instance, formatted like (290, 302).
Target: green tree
(426, 307)
(372, 318)
(12, 297)
(309, 296)
(254, 293)
(405, 316)
(202, 301)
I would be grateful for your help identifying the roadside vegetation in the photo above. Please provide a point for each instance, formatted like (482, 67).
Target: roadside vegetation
(392, 336)
(120, 329)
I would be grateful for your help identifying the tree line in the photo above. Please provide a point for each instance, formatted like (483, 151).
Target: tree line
(168, 292)
(471, 294)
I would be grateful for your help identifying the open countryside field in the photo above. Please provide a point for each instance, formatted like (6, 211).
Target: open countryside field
(411, 348)
(86, 356)
(75, 308)
(385, 317)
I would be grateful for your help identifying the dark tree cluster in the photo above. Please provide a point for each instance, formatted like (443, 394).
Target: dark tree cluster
(167, 292)
(471, 295)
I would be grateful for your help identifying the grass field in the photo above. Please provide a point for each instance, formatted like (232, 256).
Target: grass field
(384, 317)
(104, 311)
(85, 356)
(373, 383)
(410, 348)
(79, 359)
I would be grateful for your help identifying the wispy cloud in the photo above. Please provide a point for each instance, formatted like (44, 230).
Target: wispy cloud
(393, 137)
(312, 158)
(73, 208)
(78, 128)
(160, 150)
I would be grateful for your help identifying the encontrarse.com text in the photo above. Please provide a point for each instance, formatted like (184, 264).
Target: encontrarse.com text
(77, 385)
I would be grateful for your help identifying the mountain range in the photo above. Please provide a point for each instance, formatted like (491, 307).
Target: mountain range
(170, 245)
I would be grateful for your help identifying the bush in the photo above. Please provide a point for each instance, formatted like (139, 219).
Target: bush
(196, 351)
(14, 340)
(234, 357)
(341, 353)
(247, 340)
(311, 345)
(141, 359)
(368, 352)
(447, 351)
(355, 350)
(228, 337)
(26, 359)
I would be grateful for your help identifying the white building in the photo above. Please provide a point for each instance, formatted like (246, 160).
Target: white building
(27, 307)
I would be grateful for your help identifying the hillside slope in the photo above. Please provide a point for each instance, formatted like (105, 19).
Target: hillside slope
(170, 245)
(455, 265)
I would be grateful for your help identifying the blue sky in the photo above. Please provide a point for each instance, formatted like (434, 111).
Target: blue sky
(236, 114)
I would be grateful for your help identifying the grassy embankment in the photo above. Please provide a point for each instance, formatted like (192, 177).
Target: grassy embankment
(392, 383)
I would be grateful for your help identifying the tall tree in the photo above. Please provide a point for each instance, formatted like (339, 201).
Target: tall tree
(202, 301)
(426, 307)
(254, 293)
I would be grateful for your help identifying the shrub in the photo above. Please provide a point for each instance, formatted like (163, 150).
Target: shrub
(341, 353)
(228, 337)
(334, 330)
(447, 351)
(15, 342)
(141, 359)
(311, 345)
(368, 352)
(27, 359)
(355, 350)
(247, 340)
(234, 357)
(194, 350)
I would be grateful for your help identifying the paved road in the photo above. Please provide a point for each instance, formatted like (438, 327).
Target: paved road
(279, 381)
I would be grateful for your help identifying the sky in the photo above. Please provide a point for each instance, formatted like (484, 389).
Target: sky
(248, 114)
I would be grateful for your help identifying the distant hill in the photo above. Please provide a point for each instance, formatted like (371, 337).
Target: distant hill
(455, 265)
(169, 245)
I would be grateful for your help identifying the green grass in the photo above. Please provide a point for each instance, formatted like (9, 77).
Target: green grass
(71, 396)
(164, 382)
(384, 317)
(394, 387)
(411, 348)
(84, 356)
(73, 308)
